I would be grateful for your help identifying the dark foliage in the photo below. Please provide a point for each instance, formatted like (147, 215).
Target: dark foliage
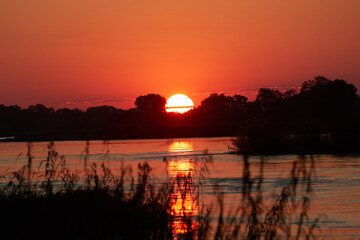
(150, 103)
(55, 205)
(323, 117)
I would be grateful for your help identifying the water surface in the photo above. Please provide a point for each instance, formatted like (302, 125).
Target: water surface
(336, 197)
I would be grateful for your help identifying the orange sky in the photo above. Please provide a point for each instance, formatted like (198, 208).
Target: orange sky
(88, 52)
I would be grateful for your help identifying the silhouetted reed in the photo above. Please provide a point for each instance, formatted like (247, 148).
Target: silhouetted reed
(57, 205)
(254, 219)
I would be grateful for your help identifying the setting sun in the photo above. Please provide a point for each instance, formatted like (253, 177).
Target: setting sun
(179, 103)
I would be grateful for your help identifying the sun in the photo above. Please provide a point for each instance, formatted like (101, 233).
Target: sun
(179, 103)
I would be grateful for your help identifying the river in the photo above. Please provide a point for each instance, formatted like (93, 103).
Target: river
(335, 199)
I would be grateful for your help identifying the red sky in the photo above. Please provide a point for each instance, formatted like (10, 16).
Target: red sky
(85, 52)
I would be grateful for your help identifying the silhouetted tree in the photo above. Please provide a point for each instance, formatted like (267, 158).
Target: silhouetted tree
(40, 108)
(289, 93)
(239, 102)
(69, 111)
(326, 96)
(267, 97)
(318, 81)
(275, 120)
(101, 109)
(217, 102)
(151, 102)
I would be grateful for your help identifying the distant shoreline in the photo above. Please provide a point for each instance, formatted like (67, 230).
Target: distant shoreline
(272, 148)
(323, 117)
(14, 139)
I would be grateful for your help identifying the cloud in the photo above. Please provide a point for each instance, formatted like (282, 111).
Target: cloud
(119, 102)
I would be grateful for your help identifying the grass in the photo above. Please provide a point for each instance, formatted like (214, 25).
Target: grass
(254, 219)
(57, 205)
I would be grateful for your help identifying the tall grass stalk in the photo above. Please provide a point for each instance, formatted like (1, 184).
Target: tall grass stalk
(109, 206)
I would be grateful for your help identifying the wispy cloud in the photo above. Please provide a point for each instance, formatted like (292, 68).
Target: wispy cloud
(119, 102)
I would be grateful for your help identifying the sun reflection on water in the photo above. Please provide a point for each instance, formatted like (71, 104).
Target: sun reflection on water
(180, 146)
(183, 202)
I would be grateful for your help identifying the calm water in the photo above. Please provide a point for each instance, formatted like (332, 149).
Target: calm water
(336, 196)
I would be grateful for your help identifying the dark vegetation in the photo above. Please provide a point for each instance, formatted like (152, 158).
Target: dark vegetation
(54, 204)
(323, 117)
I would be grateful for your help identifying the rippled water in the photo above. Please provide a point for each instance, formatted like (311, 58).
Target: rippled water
(336, 196)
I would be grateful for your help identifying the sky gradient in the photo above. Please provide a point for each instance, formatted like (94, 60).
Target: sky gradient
(84, 53)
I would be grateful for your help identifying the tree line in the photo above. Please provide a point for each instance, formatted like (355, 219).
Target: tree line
(324, 114)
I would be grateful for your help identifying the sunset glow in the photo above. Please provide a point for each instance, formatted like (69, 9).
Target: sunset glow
(180, 146)
(183, 203)
(179, 103)
(180, 119)
(52, 50)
